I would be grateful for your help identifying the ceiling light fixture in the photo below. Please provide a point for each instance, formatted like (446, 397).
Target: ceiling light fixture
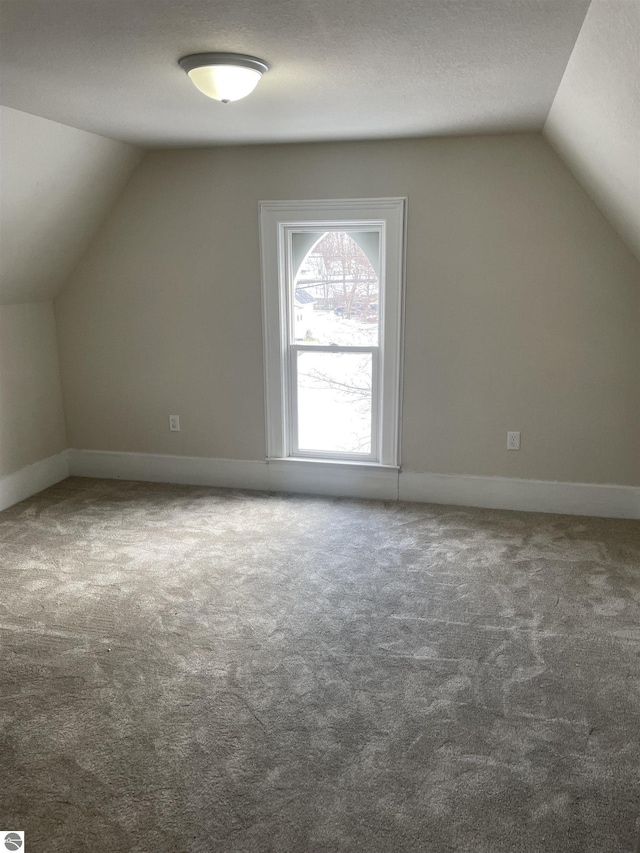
(224, 76)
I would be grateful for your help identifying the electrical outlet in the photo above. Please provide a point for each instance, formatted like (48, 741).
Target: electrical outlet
(513, 441)
(174, 423)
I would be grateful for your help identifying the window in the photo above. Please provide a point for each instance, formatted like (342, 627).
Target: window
(332, 295)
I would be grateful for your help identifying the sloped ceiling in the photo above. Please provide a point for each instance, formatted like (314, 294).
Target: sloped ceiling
(341, 69)
(57, 184)
(356, 70)
(594, 122)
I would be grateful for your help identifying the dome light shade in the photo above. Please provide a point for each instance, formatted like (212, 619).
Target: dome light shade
(224, 76)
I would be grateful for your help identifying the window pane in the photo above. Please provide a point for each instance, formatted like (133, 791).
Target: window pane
(334, 401)
(336, 290)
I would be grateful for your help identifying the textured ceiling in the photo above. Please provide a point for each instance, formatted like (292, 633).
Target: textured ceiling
(340, 70)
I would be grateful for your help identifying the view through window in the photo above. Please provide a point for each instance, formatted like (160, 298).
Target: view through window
(335, 310)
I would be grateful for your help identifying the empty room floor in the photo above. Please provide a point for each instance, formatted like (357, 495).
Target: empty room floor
(192, 670)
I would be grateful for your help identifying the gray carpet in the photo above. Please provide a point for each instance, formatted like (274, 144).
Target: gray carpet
(190, 670)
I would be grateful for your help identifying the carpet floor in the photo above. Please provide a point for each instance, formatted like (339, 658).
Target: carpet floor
(192, 670)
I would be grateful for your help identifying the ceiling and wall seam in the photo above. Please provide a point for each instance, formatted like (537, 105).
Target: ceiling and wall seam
(565, 67)
(58, 184)
(594, 120)
(98, 230)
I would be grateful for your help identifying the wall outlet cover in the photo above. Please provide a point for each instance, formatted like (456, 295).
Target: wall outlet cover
(513, 441)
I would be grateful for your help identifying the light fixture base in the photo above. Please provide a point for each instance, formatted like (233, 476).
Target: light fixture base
(197, 60)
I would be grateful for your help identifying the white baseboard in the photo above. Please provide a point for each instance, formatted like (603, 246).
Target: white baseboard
(33, 479)
(366, 481)
(159, 468)
(608, 501)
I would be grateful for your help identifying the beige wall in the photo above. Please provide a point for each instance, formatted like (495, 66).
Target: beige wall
(31, 418)
(523, 307)
(57, 184)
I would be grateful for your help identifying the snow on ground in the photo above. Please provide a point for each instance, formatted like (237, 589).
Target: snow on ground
(325, 327)
(334, 389)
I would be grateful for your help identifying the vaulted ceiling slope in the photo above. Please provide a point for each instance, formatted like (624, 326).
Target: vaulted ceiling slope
(360, 69)
(594, 122)
(57, 185)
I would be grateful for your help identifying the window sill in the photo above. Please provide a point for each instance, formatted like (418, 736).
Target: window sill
(331, 463)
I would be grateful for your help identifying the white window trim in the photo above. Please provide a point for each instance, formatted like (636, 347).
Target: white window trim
(275, 218)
